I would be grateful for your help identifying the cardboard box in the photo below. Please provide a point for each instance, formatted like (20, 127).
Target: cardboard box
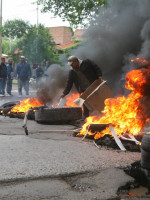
(95, 95)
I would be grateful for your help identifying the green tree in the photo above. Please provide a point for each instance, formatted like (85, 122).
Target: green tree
(38, 45)
(15, 29)
(74, 11)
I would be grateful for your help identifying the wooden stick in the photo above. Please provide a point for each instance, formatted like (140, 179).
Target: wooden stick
(86, 133)
(119, 143)
(96, 145)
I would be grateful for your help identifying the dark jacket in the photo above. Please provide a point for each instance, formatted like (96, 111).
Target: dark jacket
(91, 71)
(23, 71)
(9, 70)
(39, 72)
(3, 71)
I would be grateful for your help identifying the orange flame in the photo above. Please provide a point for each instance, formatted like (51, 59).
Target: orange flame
(140, 61)
(70, 100)
(126, 114)
(25, 105)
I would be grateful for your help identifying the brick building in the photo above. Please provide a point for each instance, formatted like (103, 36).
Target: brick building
(78, 33)
(61, 34)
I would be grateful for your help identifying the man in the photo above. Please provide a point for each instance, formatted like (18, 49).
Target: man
(23, 71)
(9, 77)
(39, 73)
(3, 77)
(46, 68)
(82, 74)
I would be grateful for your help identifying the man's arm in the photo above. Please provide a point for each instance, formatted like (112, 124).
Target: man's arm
(69, 84)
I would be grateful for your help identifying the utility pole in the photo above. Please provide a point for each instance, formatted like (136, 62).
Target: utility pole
(0, 33)
(37, 23)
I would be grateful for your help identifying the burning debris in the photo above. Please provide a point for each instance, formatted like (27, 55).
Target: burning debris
(24, 105)
(127, 115)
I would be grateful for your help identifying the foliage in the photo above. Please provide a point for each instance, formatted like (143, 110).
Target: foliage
(8, 46)
(37, 45)
(74, 11)
(15, 29)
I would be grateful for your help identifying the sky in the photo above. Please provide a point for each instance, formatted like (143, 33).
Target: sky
(25, 10)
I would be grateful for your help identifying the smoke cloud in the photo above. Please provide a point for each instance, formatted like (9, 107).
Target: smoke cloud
(120, 32)
(50, 87)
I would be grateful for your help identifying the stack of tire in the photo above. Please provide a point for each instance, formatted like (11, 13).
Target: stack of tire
(145, 152)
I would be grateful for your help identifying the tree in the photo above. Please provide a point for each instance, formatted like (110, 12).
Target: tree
(15, 29)
(74, 11)
(37, 45)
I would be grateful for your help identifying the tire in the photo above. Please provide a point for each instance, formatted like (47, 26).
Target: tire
(9, 104)
(146, 143)
(46, 115)
(145, 159)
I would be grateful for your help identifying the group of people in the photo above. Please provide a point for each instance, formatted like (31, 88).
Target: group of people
(7, 73)
(22, 72)
(6, 76)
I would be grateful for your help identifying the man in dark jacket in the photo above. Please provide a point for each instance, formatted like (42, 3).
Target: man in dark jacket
(23, 71)
(39, 73)
(82, 74)
(9, 76)
(3, 77)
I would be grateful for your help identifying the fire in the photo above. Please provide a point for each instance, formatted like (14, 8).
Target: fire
(126, 114)
(140, 61)
(70, 99)
(25, 105)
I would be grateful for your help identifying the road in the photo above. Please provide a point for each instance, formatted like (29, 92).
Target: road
(56, 166)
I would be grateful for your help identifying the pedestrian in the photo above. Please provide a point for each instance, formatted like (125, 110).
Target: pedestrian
(9, 77)
(23, 72)
(46, 67)
(82, 74)
(39, 73)
(3, 77)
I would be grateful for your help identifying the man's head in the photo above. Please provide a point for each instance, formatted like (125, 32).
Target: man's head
(47, 63)
(2, 60)
(22, 58)
(10, 61)
(73, 62)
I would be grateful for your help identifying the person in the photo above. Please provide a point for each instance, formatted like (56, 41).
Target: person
(3, 77)
(82, 75)
(9, 77)
(39, 73)
(46, 67)
(23, 71)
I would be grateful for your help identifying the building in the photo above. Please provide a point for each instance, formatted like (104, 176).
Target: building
(61, 34)
(79, 33)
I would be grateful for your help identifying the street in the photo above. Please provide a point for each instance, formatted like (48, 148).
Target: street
(56, 165)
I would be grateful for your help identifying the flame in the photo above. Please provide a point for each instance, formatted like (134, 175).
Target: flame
(125, 114)
(70, 99)
(25, 105)
(140, 61)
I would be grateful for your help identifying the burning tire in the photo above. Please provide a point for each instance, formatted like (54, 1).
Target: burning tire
(46, 115)
(6, 107)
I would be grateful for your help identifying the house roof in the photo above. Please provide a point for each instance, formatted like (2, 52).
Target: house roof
(64, 46)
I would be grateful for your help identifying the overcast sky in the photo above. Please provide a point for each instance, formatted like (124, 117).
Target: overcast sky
(24, 9)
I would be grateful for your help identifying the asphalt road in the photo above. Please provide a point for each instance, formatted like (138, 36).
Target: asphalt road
(56, 165)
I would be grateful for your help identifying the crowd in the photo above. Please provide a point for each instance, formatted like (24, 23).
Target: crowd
(22, 72)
